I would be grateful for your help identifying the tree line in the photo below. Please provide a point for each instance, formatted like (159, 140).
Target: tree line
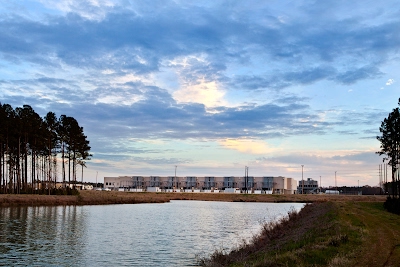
(32, 149)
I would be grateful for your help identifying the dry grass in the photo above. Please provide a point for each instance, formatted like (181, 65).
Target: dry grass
(270, 247)
(328, 233)
(104, 197)
(36, 200)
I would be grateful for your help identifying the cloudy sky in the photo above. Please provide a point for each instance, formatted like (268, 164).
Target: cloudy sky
(210, 86)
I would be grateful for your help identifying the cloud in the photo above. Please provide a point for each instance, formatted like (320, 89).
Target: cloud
(89, 9)
(151, 112)
(390, 82)
(136, 110)
(206, 93)
(207, 71)
(362, 73)
(156, 119)
(349, 165)
(198, 80)
(129, 39)
(247, 146)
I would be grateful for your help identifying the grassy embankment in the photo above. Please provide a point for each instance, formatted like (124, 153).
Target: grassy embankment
(102, 197)
(342, 233)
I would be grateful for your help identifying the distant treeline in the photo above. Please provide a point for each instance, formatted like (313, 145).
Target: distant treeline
(31, 147)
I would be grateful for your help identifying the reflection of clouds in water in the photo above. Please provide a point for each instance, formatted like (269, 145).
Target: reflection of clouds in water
(169, 234)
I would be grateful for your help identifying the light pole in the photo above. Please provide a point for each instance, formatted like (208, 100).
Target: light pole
(246, 175)
(302, 180)
(335, 181)
(176, 184)
(247, 184)
(320, 184)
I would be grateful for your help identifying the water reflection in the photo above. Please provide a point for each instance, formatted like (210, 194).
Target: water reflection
(169, 234)
(36, 236)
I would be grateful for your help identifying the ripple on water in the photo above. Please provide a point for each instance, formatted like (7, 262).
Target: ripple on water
(169, 234)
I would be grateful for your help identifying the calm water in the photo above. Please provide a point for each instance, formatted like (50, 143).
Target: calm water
(169, 234)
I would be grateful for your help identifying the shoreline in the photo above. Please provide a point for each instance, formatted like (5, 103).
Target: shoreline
(107, 198)
(331, 233)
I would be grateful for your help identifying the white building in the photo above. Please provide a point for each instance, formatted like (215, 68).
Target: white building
(259, 185)
(117, 182)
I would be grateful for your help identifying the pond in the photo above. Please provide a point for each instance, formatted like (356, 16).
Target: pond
(168, 234)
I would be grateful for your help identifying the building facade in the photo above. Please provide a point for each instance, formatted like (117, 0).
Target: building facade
(308, 186)
(250, 184)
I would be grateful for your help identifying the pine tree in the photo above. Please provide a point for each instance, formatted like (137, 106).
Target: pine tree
(390, 144)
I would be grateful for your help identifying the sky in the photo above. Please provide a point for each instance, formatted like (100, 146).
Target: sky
(211, 86)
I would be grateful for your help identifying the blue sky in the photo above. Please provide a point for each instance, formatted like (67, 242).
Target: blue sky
(210, 86)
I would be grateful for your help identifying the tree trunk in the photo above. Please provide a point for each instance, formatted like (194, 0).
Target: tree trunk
(25, 186)
(50, 162)
(63, 163)
(1, 167)
(11, 181)
(398, 183)
(74, 168)
(69, 168)
(18, 165)
(33, 171)
(393, 181)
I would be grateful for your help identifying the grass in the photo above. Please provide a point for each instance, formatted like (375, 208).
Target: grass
(301, 239)
(102, 197)
(322, 234)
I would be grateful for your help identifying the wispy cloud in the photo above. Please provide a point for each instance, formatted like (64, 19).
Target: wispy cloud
(390, 82)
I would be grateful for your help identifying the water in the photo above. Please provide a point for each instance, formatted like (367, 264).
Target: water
(169, 234)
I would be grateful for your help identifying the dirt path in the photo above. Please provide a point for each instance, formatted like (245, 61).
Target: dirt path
(381, 236)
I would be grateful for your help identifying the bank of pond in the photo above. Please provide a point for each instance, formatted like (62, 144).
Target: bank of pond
(322, 234)
(91, 197)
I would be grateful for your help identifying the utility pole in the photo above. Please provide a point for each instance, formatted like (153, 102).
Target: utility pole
(247, 185)
(246, 177)
(320, 184)
(386, 173)
(335, 181)
(176, 184)
(302, 180)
